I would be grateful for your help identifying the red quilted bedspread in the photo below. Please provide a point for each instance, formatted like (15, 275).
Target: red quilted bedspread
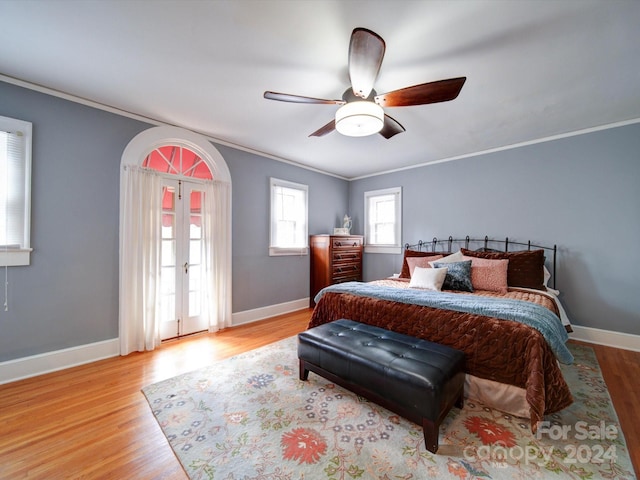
(500, 350)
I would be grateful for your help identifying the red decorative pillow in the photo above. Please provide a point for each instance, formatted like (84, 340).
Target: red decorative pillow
(489, 274)
(526, 268)
(405, 272)
(422, 262)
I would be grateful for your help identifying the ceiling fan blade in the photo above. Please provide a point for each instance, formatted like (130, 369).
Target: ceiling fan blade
(285, 97)
(432, 92)
(322, 131)
(391, 127)
(366, 52)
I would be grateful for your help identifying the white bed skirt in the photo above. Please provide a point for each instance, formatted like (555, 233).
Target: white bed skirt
(506, 398)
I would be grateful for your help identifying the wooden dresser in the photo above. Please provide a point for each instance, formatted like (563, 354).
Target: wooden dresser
(334, 259)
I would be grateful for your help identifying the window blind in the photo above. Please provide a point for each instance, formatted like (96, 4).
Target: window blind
(12, 190)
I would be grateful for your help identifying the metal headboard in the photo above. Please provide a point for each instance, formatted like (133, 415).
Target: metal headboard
(488, 245)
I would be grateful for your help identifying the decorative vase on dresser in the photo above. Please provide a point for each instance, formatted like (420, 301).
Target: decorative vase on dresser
(334, 259)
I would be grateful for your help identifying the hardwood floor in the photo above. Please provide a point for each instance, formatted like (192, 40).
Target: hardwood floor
(621, 372)
(92, 421)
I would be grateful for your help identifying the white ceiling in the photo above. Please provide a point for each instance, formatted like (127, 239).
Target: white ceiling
(534, 69)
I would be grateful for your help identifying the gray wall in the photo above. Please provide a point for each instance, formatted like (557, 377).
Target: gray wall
(258, 279)
(581, 193)
(68, 296)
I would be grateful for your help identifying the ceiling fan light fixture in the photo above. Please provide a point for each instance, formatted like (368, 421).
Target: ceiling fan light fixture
(359, 119)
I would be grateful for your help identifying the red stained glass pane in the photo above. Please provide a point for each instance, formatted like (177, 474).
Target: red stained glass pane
(189, 159)
(171, 154)
(155, 161)
(167, 199)
(195, 201)
(196, 220)
(202, 171)
(177, 160)
(167, 221)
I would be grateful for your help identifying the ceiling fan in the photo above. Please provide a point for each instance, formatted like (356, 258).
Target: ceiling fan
(360, 113)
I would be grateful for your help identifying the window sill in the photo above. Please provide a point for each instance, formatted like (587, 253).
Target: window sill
(281, 252)
(15, 257)
(382, 249)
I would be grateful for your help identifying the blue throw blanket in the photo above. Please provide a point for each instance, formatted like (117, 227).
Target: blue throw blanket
(536, 316)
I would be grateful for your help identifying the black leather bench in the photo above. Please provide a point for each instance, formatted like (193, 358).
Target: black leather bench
(414, 378)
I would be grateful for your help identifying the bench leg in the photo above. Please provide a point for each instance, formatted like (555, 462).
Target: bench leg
(304, 373)
(430, 430)
(460, 401)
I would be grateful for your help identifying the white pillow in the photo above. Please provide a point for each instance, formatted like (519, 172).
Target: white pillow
(454, 257)
(428, 278)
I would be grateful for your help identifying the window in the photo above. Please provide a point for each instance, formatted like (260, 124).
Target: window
(289, 213)
(177, 160)
(15, 191)
(382, 212)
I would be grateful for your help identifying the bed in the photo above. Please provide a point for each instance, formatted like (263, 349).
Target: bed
(494, 300)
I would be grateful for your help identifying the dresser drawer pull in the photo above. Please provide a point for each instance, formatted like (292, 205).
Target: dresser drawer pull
(340, 243)
(354, 268)
(348, 256)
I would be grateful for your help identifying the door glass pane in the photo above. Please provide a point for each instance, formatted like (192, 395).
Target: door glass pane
(194, 303)
(168, 212)
(194, 277)
(195, 219)
(194, 290)
(195, 252)
(195, 229)
(168, 293)
(168, 225)
(168, 199)
(168, 255)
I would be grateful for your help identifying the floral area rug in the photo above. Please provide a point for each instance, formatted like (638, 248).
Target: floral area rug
(250, 417)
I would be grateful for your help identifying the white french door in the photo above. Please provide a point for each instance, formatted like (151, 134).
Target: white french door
(181, 259)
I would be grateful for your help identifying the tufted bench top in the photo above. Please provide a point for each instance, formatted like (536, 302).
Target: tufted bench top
(416, 378)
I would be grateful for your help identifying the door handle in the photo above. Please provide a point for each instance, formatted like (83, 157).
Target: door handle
(186, 267)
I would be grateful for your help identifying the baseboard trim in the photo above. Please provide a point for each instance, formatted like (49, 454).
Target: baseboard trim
(48, 362)
(248, 316)
(626, 341)
(42, 363)
(34, 365)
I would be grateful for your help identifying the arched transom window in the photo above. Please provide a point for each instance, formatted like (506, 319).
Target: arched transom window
(177, 160)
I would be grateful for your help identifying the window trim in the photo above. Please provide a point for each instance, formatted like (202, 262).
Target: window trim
(275, 251)
(12, 257)
(395, 248)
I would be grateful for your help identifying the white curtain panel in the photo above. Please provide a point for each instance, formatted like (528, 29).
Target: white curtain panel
(140, 243)
(216, 213)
